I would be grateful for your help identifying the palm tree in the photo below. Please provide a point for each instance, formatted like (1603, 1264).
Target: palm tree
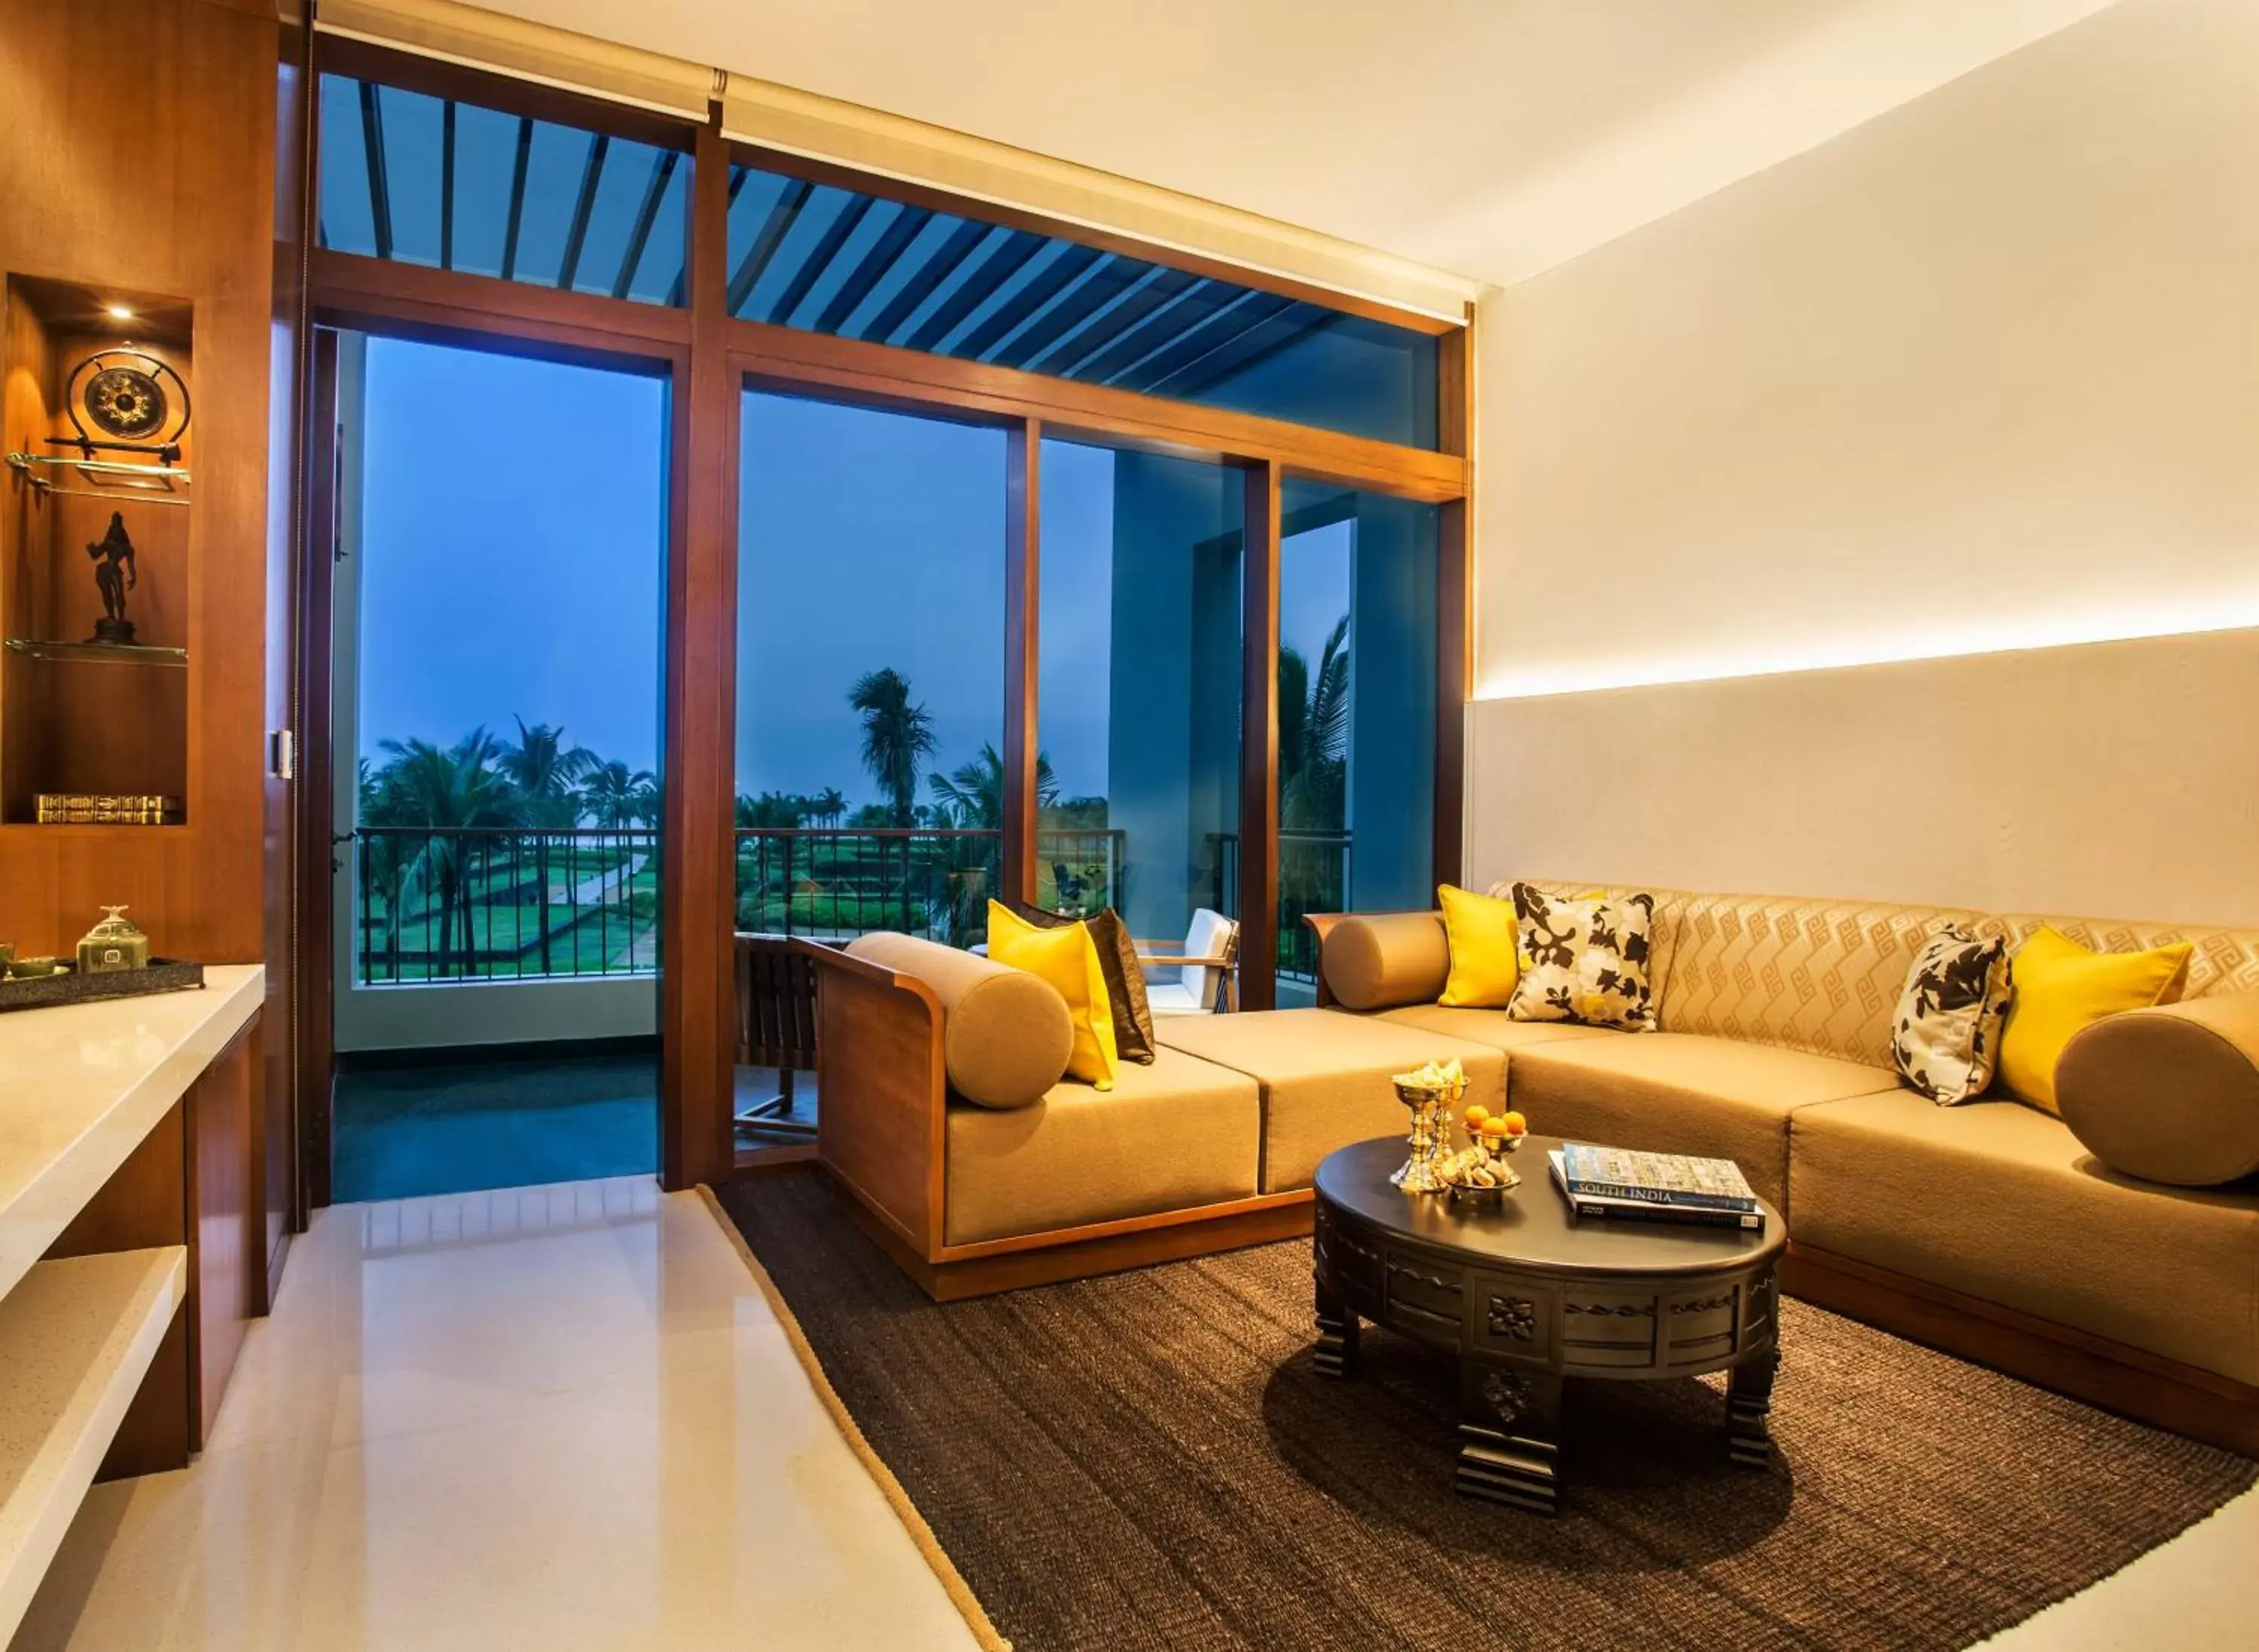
(971, 798)
(545, 772)
(974, 792)
(616, 797)
(1313, 735)
(619, 797)
(446, 793)
(1312, 773)
(897, 736)
(830, 806)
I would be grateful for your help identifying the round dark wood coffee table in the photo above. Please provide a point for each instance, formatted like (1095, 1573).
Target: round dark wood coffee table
(1527, 1293)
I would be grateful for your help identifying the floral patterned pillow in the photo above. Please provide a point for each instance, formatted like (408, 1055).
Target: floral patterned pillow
(1945, 1039)
(1584, 960)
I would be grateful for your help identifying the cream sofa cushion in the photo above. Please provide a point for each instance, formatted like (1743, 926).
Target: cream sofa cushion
(2000, 1201)
(2168, 1094)
(1325, 1077)
(1492, 1027)
(1674, 1092)
(1177, 1134)
(1006, 1035)
(1377, 958)
(1819, 975)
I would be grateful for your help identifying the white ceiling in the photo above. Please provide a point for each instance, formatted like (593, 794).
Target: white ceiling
(1489, 138)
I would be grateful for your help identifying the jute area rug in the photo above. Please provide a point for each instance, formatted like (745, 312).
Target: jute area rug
(1147, 1461)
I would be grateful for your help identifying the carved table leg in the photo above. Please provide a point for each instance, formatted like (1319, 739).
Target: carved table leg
(1509, 1436)
(1749, 1403)
(1335, 1355)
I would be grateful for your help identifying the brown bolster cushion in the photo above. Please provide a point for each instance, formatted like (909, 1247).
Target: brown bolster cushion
(1378, 960)
(1005, 1035)
(2169, 1094)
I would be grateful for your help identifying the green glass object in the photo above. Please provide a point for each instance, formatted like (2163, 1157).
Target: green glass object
(114, 944)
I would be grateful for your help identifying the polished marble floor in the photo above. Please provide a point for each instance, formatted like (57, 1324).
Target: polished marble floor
(564, 1418)
(560, 1418)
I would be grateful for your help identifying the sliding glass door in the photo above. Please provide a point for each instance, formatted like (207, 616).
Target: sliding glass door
(1356, 713)
(870, 671)
(1138, 686)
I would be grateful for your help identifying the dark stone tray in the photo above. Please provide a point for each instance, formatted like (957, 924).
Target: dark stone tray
(43, 992)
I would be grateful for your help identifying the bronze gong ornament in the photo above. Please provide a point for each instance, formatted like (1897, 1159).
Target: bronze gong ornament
(124, 399)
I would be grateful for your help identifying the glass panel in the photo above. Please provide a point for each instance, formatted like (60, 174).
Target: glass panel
(497, 678)
(631, 244)
(1356, 713)
(412, 148)
(1050, 304)
(348, 222)
(629, 171)
(486, 157)
(507, 811)
(1138, 688)
(870, 671)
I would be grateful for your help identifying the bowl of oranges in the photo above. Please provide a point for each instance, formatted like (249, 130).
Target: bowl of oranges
(1480, 1171)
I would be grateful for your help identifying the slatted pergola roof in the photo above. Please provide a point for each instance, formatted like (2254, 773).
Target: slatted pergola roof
(427, 180)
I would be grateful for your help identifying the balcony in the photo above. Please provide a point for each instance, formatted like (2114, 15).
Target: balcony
(498, 903)
(833, 884)
(476, 905)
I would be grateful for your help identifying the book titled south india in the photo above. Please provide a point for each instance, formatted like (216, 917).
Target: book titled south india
(1656, 1178)
(1644, 1210)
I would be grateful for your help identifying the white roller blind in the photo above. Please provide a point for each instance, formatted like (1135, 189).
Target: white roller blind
(529, 51)
(823, 128)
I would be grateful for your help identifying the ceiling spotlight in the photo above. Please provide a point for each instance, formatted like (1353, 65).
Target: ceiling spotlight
(119, 312)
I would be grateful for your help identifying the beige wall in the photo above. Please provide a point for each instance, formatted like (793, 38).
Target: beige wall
(1982, 374)
(2115, 780)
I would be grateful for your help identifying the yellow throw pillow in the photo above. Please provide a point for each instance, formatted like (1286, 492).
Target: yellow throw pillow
(2060, 988)
(1066, 957)
(1479, 931)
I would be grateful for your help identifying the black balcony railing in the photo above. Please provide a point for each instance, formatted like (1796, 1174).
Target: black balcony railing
(482, 903)
(1314, 876)
(836, 883)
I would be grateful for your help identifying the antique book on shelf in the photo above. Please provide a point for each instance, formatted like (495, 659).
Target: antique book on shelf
(1657, 1179)
(1612, 1209)
(96, 809)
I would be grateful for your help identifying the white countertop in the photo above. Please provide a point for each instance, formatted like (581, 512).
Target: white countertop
(82, 1085)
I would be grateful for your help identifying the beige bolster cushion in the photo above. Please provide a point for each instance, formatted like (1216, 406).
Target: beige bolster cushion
(1379, 960)
(1005, 1037)
(2169, 1094)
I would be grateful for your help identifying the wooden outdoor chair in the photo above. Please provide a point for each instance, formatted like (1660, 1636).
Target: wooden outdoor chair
(1200, 977)
(776, 1026)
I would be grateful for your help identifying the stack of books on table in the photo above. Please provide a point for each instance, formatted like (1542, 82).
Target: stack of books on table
(1611, 1183)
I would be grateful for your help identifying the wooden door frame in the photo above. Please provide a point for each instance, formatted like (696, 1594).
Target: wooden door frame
(465, 320)
(315, 1058)
(710, 358)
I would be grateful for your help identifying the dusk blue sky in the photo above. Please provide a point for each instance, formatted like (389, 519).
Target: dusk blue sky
(526, 580)
(512, 524)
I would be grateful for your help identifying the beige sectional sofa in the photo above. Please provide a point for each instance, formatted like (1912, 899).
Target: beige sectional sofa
(1987, 1228)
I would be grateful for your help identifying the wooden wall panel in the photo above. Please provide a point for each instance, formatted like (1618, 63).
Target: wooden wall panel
(177, 200)
(224, 1259)
(145, 1204)
(287, 1013)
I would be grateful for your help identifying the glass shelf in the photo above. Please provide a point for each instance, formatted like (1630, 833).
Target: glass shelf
(115, 653)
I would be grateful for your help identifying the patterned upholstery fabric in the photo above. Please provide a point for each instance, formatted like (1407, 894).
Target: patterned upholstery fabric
(2224, 961)
(1824, 976)
(1819, 975)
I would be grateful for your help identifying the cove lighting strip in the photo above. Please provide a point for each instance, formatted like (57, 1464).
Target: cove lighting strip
(2241, 613)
